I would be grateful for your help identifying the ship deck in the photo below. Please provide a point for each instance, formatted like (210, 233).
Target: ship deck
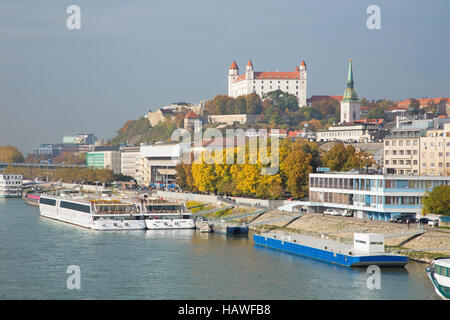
(319, 243)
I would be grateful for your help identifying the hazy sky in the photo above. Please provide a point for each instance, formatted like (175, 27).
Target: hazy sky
(132, 56)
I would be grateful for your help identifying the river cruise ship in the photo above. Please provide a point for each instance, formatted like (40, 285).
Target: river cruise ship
(93, 213)
(161, 215)
(10, 186)
(439, 274)
(367, 249)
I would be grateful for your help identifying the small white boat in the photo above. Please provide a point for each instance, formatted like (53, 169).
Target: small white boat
(204, 226)
(439, 274)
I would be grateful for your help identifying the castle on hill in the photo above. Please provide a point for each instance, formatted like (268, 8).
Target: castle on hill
(293, 82)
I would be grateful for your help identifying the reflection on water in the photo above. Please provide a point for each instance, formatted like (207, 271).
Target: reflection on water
(173, 264)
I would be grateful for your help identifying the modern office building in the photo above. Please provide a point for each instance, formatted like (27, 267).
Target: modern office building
(81, 138)
(158, 162)
(377, 196)
(104, 159)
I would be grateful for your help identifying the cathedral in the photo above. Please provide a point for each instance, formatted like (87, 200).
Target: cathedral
(293, 82)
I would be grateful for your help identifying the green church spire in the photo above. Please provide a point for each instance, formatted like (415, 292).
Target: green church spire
(350, 93)
(350, 75)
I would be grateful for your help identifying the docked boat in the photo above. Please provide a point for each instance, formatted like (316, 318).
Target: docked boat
(205, 226)
(10, 185)
(92, 213)
(367, 249)
(439, 274)
(162, 215)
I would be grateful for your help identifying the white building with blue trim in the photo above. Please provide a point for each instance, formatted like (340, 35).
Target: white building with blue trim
(377, 196)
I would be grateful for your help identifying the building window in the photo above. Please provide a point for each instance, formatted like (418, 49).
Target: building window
(387, 142)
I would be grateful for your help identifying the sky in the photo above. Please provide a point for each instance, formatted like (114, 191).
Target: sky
(130, 57)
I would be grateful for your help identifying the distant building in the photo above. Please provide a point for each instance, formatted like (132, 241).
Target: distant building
(192, 121)
(129, 160)
(350, 132)
(293, 82)
(82, 138)
(168, 112)
(158, 162)
(406, 147)
(230, 119)
(435, 152)
(443, 104)
(104, 160)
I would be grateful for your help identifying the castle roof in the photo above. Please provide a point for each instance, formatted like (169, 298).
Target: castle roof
(303, 63)
(249, 63)
(297, 69)
(274, 75)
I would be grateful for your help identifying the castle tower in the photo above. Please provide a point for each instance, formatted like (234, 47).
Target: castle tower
(303, 79)
(249, 72)
(350, 106)
(233, 73)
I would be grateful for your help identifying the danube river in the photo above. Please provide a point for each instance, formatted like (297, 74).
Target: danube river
(35, 253)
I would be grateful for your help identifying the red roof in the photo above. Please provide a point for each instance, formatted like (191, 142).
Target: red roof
(423, 102)
(297, 69)
(276, 75)
(320, 98)
(249, 64)
(191, 115)
(294, 134)
(303, 63)
(234, 65)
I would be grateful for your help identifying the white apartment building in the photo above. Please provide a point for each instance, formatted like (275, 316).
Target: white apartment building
(251, 81)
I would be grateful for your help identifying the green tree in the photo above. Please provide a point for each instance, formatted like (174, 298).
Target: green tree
(437, 201)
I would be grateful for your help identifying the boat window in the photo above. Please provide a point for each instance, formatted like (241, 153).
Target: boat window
(49, 202)
(75, 206)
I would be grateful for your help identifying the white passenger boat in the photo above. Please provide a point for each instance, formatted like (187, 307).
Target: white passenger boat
(161, 215)
(439, 274)
(97, 214)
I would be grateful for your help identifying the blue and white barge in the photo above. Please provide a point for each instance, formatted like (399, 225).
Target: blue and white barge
(367, 249)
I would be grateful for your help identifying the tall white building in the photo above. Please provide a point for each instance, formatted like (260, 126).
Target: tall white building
(251, 81)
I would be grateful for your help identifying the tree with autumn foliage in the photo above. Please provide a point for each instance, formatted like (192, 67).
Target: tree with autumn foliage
(342, 158)
(10, 154)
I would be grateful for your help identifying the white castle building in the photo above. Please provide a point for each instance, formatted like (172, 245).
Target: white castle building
(293, 82)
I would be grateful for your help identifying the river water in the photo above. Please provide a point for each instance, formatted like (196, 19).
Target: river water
(35, 253)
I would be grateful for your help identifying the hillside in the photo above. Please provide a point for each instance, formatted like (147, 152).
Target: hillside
(140, 130)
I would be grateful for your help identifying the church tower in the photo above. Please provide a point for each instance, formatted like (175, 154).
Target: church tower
(350, 106)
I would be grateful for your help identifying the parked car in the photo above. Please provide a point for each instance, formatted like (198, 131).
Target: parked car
(346, 213)
(424, 220)
(433, 223)
(402, 219)
(331, 212)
